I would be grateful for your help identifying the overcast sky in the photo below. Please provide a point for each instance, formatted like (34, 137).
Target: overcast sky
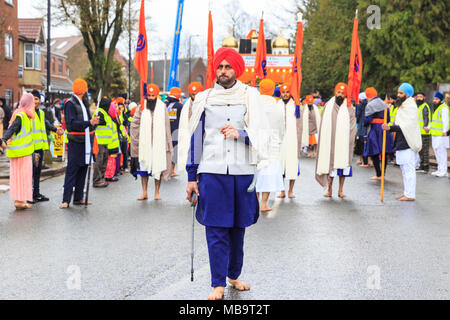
(162, 15)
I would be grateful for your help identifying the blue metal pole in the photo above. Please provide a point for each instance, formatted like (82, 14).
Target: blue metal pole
(176, 48)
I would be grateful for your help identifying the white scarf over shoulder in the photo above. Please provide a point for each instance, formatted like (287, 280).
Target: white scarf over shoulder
(407, 119)
(183, 131)
(305, 133)
(152, 140)
(256, 123)
(341, 142)
(289, 148)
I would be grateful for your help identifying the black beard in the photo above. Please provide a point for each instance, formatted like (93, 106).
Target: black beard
(339, 100)
(399, 101)
(226, 82)
(151, 104)
(419, 102)
(286, 100)
(435, 105)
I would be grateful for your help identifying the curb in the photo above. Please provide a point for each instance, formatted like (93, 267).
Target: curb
(45, 173)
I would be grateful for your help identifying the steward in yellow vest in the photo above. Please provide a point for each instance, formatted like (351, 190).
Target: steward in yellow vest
(40, 128)
(424, 117)
(107, 140)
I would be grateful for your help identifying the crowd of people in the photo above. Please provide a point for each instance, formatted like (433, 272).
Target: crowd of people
(237, 144)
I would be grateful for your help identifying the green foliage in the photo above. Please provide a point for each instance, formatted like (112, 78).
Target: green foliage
(411, 45)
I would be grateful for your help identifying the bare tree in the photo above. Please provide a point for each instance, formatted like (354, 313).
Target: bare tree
(100, 22)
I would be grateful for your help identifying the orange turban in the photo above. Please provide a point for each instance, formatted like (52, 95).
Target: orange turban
(309, 99)
(232, 57)
(195, 87)
(340, 86)
(371, 93)
(153, 89)
(267, 87)
(120, 100)
(175, 92)
(285, 86)
(79, 87)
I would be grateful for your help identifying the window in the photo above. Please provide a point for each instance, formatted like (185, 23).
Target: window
(9, 47)
(29, 55)
(37, 57)
(9, 94)
(60, 67)
(32, 56)
(67, 72)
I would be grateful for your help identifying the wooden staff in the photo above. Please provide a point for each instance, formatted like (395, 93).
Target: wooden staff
(383, 157)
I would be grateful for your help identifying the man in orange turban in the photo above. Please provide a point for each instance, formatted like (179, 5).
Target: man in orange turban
(291, 147)
(270, 178)
(194, 88)
(174, 107)
(150, 146)
(80, 128)
(310, 125)
(336, 141)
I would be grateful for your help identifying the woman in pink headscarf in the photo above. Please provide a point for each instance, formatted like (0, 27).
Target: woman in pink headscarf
(19, 148)
(113, 166)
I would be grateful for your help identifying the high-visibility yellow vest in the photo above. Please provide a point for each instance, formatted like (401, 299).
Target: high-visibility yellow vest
(393, 112)
(104, 133)
(39, 133)
(115, 143)
(21, 144)
(437, 125)
(421, 123)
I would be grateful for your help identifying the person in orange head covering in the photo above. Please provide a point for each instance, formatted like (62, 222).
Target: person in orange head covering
(337, 136)
(291, 146)
(270, 178)
(174, 107)
(221, 166)
(80, 127)
(310, 126)
(151, 148)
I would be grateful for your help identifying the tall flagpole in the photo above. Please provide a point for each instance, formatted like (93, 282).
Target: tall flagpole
(383, 157)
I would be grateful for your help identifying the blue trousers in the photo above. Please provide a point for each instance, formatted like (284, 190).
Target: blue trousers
(75, 173)
(226, 253)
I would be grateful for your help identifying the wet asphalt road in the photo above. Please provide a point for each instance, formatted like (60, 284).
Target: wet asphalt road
(307, 248)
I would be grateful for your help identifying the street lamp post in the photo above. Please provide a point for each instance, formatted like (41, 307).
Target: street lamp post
(48, 48)
(190, 38)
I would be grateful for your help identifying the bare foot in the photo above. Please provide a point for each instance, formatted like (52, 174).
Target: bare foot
(265, 209)
(157, 197)
(239, 285)
(375, 178)
(359, 162)
(174, 174)
(291, 195)
(282, 195)
(398, 198)
(65, 205)
(143, 197)
(341, 195)
(217, 293)
(364, 165)
(405, 198)
(329, 194)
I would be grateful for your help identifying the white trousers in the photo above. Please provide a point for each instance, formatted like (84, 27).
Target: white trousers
(440, 145)
(407, 161)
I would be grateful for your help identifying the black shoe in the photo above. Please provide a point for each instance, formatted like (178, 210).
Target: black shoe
(40, 198)
(112, 179)
(31, 202)
(104, 185)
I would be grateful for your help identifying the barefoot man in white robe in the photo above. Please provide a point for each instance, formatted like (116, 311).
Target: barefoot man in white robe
(336, 142)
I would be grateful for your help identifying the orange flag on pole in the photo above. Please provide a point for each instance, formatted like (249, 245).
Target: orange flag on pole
(297, 67)
(355, 66)
(210, 72)
(140, 60)
(261, 56)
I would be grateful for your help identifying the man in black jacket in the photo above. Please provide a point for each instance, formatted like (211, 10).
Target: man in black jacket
(80, 128)
(174, 108)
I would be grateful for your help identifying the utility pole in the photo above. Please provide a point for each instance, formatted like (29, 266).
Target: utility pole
(165, 72)
(48, 49)
(190, 38)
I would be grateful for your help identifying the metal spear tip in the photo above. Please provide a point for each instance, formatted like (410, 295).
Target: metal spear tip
(299, 17)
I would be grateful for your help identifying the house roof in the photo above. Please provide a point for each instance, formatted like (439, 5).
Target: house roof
(64, 44)
(31, 29)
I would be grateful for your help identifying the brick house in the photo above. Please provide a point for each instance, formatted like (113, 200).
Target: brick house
(9, 52)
